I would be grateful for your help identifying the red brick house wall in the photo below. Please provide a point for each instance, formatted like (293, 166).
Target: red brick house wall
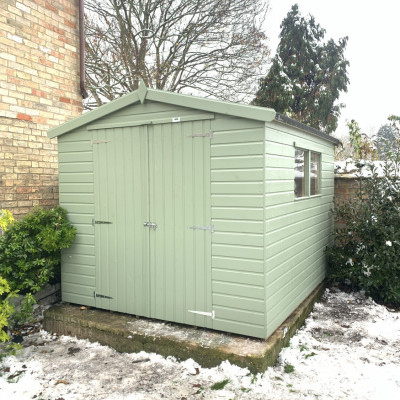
(345, 188)
(39, 89)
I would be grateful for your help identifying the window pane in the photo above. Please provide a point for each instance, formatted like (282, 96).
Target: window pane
(315, 166)
(299, 181)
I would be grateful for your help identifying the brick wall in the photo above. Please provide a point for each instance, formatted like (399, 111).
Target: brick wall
(39, 89)
(345, 188)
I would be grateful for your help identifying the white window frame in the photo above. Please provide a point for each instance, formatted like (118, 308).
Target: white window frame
(307, 174)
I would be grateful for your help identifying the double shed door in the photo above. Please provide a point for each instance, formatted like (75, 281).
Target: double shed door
(154, 174)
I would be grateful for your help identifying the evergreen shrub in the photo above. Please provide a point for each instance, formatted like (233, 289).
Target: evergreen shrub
(366, 249)
(30, 249)
(6, 308)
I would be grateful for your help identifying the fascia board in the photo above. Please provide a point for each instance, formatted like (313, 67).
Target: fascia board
(215, 106)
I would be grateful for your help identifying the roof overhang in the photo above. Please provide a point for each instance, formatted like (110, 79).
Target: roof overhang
(283, 119)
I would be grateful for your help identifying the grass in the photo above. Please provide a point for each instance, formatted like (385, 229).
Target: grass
(310, 355)
(254, 379)
(220, 385)
(288, 368)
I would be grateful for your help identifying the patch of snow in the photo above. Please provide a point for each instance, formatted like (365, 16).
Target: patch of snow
(349, 348)
(350, 262)
(350, 168)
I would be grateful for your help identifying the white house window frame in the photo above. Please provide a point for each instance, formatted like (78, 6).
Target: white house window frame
(307, 189)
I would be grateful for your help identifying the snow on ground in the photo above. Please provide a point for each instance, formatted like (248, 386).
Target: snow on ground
(349, 348)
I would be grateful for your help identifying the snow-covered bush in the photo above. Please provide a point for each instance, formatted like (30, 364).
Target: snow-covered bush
(366, 250)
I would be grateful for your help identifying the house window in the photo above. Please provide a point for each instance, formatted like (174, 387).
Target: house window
(307, 173)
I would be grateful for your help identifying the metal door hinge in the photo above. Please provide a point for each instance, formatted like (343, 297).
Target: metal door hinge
(152, 225)
(100, 222)
(203, 228)
(207, 134)
(101, 296)
(206, 314)
(92, 142)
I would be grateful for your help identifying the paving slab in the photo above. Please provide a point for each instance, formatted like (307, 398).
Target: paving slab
(209, 348)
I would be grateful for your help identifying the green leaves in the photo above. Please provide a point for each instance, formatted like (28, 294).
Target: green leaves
(30, 249)
(307, 74)
(364, 148)
(6, 219)
(6, 309)
(366, 252)
(220, 385)
(29, 259)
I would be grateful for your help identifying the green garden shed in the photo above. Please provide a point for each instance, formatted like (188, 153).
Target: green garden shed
(195, 211)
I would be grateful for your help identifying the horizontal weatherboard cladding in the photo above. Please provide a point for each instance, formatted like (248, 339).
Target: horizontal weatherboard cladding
(241, 316)
(81, 208)
(75, 157)
(246, 200)
(297, 206)
(237, 225)
(255, 135)
(237, 211)
(236, 162)
(239, 238)
(232, 276)
(311, 273)
(296, 230)
(79, 279)
(280, 274)
(279, 252)
(78, 275)
(238, 264)
(238, 289)
(237, 302)
(246, 213)
(76, 198)
(76, 177)
(238, 175)
(254, 187)
(295, 223)
(76, 258)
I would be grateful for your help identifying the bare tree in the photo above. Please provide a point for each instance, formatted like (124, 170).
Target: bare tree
(210, 47)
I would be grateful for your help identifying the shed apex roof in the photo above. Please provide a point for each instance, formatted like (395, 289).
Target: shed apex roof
(144, 93)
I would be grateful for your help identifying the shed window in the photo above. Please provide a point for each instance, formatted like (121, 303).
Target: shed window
(315, 162)
(307, 173)
(299, 173)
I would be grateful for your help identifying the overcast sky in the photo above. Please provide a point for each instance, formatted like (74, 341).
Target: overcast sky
(373, 50)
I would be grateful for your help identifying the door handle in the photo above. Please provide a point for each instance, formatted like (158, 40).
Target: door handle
(152, 225)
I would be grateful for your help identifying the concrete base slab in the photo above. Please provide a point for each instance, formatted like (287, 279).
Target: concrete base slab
(125, 333)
